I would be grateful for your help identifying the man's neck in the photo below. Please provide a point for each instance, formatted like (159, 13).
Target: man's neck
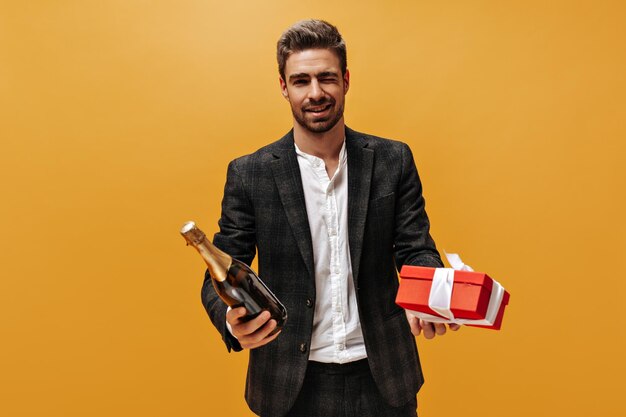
(325, 145)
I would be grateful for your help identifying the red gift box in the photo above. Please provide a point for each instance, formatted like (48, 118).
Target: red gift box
(471, 293)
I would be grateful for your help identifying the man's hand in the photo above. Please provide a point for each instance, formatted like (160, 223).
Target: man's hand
(430, 329)
(251, 334)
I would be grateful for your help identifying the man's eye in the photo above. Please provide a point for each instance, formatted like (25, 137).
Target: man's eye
(299, 82)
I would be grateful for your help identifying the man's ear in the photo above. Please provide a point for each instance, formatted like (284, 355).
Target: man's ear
(346, 81)
(283, 88)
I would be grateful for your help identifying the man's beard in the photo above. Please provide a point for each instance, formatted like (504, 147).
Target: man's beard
(320, 126)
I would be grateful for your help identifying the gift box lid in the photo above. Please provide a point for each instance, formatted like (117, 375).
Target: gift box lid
(461, 277)
(470, 293)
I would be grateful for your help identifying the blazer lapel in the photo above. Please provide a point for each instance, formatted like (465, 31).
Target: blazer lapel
(360, 163)
(289, 183)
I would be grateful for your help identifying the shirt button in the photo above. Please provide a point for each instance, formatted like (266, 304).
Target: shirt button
(309, 302)
(303, 347)
(340, 346)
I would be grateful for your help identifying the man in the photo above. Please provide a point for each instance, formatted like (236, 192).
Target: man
(332, 213)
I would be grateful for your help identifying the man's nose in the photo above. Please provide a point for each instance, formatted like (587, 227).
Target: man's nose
(316, 93)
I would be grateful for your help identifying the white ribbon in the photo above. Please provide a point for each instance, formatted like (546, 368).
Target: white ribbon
(455, 261)
(441, 294)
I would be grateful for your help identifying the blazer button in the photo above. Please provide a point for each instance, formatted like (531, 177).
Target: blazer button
(309, 303)
(303, 347)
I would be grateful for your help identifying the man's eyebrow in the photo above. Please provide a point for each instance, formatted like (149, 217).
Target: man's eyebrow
(306, 75)
(299, 75)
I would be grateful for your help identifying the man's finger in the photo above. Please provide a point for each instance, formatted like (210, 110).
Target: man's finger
(429, 329)
(454, 326)
(260, 334)
(440, 328)
(243, 329)
(262, 342)
(235, 313)
(414, 322)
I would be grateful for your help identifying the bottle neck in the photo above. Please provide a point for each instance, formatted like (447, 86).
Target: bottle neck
(217, 261)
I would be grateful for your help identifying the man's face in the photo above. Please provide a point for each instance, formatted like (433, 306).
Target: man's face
(315, 88)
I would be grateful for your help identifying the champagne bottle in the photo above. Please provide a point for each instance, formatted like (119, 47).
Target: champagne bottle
(235, 282)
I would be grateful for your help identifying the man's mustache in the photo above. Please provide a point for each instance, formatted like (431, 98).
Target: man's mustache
(316, 104)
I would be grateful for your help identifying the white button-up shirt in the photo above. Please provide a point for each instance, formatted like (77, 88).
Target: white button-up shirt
(337, 335)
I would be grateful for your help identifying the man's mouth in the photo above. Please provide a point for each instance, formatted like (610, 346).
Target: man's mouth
(318, 109)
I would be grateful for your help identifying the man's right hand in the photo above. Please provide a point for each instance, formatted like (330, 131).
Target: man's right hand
(254, 333)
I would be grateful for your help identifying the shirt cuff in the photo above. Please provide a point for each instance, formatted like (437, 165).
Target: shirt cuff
(230, 329)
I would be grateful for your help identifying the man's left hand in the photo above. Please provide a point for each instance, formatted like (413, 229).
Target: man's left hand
(430, 329)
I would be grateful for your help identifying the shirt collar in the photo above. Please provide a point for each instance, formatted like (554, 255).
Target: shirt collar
(312, 158)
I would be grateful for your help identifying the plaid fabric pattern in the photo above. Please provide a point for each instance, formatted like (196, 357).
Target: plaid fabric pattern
(344, 391)
(263, 210)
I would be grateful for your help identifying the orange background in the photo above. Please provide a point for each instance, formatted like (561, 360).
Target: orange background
(118, 119)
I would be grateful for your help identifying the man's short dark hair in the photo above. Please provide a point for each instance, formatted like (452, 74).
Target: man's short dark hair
(310, 34)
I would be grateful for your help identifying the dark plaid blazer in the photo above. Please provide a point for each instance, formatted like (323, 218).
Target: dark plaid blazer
(263, 209)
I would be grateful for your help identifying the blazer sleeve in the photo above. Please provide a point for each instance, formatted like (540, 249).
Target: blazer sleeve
(413, 244)
(237, 237)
